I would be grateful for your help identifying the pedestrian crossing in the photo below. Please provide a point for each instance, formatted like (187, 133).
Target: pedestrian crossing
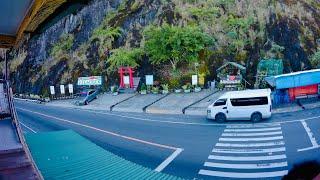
(248, 151)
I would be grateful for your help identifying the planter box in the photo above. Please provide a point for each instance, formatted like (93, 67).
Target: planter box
(155, 92)
(187, 90)
(178, 90)
(165, 91)
(197, 89)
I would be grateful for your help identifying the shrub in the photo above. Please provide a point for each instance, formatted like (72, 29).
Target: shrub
(174, 83)
(124, 57)
(63, 45)
(315, 59)
(143, 87)
(173, 44)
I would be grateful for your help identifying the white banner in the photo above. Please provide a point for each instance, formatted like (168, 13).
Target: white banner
(70, 88)
(52, 91)
(194, 79)
(149, 80)
(62, 89)
(88, 81)
(126, 80)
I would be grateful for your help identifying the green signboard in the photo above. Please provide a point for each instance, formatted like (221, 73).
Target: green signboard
(88, 81)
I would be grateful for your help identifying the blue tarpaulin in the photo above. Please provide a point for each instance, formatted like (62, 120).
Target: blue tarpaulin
(296, 79)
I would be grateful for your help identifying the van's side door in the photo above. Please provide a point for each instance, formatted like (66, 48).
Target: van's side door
(237, 112)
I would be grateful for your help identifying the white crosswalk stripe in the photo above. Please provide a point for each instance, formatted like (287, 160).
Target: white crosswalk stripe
(258, 149)
(251, 134)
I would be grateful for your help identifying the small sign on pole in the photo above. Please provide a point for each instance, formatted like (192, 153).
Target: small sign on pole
(195, 80)
(62, 89)
(70, 88)
(126, 80)
(52, 91)
(149, 80)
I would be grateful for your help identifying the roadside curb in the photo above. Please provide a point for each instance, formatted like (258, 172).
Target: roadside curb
(29, 100)
(144, 109)
(112, 106)
(184, 109)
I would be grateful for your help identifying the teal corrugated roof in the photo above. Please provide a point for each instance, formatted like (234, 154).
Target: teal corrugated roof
(67, 155)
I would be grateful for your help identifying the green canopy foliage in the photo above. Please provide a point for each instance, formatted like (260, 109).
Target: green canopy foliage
(124, 57)
(175, 44)
(315, 59)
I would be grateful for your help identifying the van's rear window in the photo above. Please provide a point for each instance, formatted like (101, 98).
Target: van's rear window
(249, 101)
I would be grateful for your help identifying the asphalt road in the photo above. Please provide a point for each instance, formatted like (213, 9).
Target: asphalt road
(189, 146)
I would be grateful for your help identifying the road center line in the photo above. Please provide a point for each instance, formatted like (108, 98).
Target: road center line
(159, 168)
(27, 127)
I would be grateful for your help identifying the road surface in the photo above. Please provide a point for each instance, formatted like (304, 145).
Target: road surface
(189, 146)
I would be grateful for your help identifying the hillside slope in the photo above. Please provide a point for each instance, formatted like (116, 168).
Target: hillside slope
(243, 30)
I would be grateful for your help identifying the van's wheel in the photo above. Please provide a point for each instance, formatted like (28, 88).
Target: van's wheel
(86, 103)
(256, 117)
(221, 117)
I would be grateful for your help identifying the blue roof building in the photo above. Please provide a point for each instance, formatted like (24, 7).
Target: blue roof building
(296, 79)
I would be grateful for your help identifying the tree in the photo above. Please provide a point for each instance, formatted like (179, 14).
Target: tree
(315, 59)
(124, 57)
(172, 44)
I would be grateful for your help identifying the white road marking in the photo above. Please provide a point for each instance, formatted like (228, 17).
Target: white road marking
(250, 144)
(311, 137)
(185, 123)
(253, 125)
(251, 134)
(27, 127)
(166, 162)
(252, 139)
(258, 175)
(253, 130)
(247, 158)
(249, 151)
(246, 166)
(163, 165)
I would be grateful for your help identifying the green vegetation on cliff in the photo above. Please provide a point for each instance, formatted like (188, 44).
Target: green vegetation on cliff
(176, 38)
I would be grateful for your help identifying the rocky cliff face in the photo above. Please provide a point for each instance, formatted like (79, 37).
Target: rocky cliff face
(248, 26)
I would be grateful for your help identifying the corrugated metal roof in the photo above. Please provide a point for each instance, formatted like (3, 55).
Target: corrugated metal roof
(67, 155)
(296, 79)
(233, 64)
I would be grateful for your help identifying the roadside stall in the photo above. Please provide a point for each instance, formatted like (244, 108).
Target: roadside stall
(297, 85)
(230, 75)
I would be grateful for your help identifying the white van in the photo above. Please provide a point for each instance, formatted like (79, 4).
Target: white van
(241, 105)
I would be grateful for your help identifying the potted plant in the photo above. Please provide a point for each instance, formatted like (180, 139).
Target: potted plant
(197, 89)
(186, 88)
(143, 89)
(155, 90)
(114, 90)
(220, 86)
(165, 88)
